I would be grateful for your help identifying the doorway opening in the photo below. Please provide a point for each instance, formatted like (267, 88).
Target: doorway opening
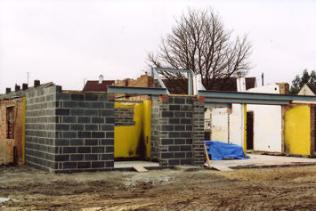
(250, 132)
(132, 134)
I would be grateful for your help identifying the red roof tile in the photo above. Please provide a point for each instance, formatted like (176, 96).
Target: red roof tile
(180, 86)
(95, 86)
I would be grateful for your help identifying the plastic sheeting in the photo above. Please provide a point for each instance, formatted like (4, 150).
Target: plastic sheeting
(222, 151)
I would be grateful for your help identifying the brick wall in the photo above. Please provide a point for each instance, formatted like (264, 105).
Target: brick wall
(84, 132)
(7, 146)
(155, 128)
(69, 131)
(142, 81)
(40, 127)
(177, 130)
(198, 131)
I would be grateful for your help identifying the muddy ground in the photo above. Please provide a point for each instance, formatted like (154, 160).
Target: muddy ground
(248, 189)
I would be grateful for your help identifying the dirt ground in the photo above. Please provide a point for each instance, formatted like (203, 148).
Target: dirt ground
(290, 188)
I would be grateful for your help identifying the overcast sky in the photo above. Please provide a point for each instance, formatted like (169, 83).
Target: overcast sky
(66, 41)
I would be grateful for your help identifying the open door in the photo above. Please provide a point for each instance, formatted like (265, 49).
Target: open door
(249, 130)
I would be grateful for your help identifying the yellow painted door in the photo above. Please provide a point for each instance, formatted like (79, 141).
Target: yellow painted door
(298, 130)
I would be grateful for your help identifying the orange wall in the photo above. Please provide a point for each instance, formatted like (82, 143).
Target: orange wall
(7, 145)
(142, 81)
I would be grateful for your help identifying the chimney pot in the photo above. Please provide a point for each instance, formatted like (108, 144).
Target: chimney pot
(24, 86)
(37, 83)
(17, 88)
(101, 78)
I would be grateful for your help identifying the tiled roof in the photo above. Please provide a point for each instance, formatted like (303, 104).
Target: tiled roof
(95, 86)
(180, 86)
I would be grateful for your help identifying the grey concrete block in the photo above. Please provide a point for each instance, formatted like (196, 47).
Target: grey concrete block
(84, 165)
(69, 165)
(77, 97)
(84, 149)
(91, 142)
(68, 150)
(61, 111)
(82, 134)
(91, 157)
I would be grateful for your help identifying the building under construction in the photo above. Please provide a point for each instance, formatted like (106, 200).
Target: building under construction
(64, 131)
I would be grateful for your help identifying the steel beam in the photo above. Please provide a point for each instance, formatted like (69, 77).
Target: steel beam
(253, 98)
(190, 75)
(244, 101)
(136, 90)
(155, 75)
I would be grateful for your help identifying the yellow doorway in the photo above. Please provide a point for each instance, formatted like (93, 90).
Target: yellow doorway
(133, 139)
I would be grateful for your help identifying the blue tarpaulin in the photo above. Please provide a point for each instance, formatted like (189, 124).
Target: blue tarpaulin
(222, 151)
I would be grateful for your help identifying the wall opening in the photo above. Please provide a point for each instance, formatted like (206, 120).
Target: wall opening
(10, 122)
(250, 135)
(132, 130)
(132, 134)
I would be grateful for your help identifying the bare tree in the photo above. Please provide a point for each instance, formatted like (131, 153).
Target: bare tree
(199, 42)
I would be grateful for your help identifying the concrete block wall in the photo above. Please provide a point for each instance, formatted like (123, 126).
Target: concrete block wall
(198, 131)
(69, 131)
(178, 130)
(155, 128)
(74, 131)
(40, 127)
(84, 132)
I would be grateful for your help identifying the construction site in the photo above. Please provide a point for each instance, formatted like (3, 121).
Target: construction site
(152, 144)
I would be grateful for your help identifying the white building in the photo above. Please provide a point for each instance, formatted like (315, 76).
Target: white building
(258, 127)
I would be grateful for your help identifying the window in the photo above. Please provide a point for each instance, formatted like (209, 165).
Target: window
(10, 123)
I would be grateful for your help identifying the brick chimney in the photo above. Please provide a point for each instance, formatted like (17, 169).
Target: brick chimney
(17, 88)
(37, 83)
(24, 87)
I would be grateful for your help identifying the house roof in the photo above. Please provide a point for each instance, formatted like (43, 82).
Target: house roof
(176, 86)
(180, 86)
(95, 86)
(230, 84)
(304, 89)
(312, 88)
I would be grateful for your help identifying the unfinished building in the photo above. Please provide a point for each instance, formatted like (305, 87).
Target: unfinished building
(74, 130)
(90, 130)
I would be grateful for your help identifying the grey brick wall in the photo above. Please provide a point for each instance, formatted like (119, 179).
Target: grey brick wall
(84, 132)
(74, 131)
(69, 131)
(178, 130)
(198, 131)
(40, 127)
(155, 128)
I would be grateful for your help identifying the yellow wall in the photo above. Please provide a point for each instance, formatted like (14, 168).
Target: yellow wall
(298, 130)
(147, 127)
(128, 140)
(244, 109)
